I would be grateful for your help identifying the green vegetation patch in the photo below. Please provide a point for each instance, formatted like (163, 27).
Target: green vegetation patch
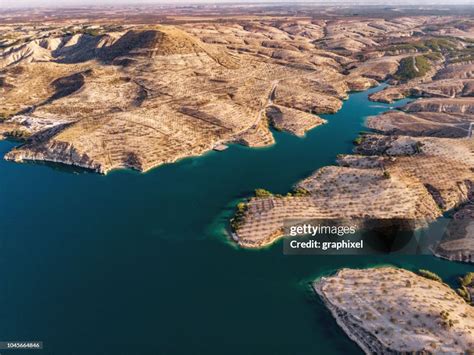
(239, 217)
(464, 293)
(299, 192)
(441, 44)
(433, 56)
(262, 193)
(71, 30)
(429, 275)
(465, 282)
(242, 207)
(406, 48)
(467, 279)
(412, 67)
(434, 49)
(92, 31)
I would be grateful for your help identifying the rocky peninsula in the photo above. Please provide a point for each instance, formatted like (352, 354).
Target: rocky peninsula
(392, 311)
(390, 177)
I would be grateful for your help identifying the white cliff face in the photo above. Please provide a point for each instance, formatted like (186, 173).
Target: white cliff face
(56, 152)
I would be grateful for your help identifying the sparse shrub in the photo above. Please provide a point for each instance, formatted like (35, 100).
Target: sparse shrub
(433, 56)
(418, 146)
(464, 293)
(299, 191)
(435, 45)
(17, 134)
(239, 217)
(429, 275)
(467, 279)
(465, 282)
(262, 193)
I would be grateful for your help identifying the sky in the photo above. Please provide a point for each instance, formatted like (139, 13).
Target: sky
(58, 3)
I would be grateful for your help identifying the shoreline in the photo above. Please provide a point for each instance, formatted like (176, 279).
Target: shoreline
(316, 286)
(277, 235)
(370, 333)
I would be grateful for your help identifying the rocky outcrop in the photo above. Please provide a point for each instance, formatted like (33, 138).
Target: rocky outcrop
(360, 83)
(456, 71)
(379, 69)
(450, 106)
(303, 100)
(293, 121)
(432, 124)
(56, 152)
(446, 89)
(390, 94)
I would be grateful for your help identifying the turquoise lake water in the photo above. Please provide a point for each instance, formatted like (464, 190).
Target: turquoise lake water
(134, 263)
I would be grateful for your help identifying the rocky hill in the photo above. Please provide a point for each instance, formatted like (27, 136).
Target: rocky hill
(149, 95)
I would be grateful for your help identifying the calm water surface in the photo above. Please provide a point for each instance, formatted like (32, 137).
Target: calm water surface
(135, 263)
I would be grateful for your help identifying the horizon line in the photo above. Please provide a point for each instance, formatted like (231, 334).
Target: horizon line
(51, 4)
